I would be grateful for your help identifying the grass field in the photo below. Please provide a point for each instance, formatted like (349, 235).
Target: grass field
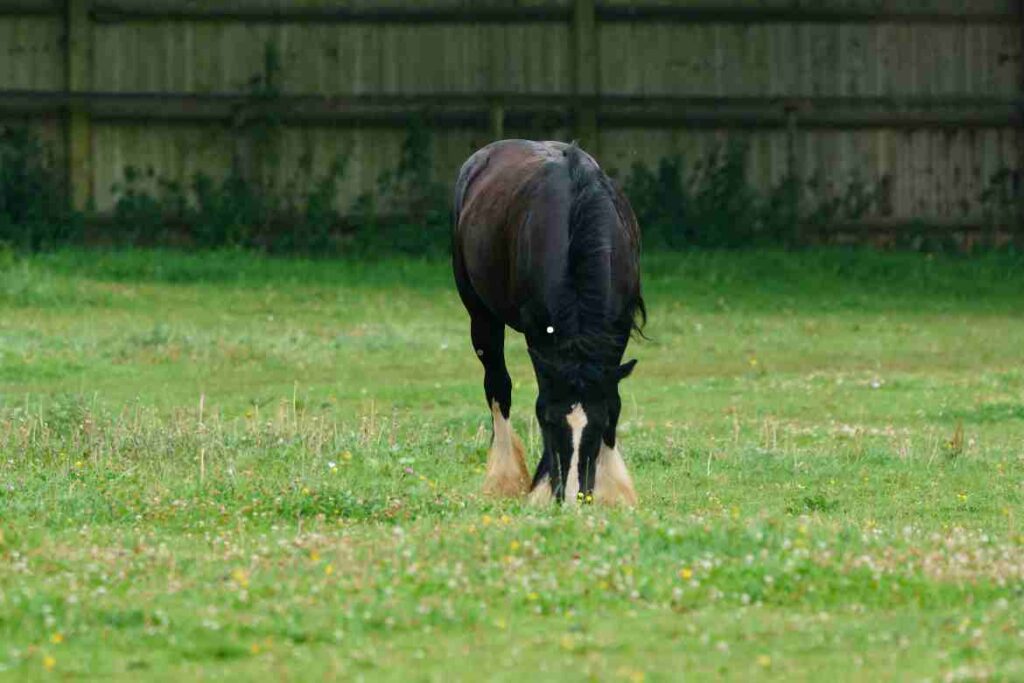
(224, 466)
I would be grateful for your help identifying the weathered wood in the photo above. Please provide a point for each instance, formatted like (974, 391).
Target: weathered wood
(585, 77)
(716, 112)
(1020, 67)
(925, 105)
(791, 133)
(30, 8)
(113, 11)
(806, 14)
(79, 79)
(497, 121)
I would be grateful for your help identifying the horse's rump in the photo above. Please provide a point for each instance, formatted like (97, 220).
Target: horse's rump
(546, 239)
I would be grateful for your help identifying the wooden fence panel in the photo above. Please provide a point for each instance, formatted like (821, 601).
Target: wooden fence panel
(204, 57)
(31, 53)
(922, 99)
(726, 59)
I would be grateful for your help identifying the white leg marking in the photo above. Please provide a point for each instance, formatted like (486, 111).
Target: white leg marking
(506, 461)
(541, 493)
(613, 485)
(577, 420)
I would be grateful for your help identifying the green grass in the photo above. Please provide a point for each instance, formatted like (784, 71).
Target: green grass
(828, 449)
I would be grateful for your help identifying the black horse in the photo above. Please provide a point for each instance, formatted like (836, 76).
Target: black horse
(544, 243)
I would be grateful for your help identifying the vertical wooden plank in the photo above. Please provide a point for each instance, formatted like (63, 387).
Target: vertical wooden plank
(783, 82)
(79, 79)
(613, 67)
(1020, 90)
(24, 70)
(8, 70)
(584, 35)
(497, 121)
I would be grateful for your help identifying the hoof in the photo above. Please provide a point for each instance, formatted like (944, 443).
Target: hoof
(541, 494)
(506, 476)
(612, 483)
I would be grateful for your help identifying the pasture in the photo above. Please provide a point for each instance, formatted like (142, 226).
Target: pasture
(226, 466)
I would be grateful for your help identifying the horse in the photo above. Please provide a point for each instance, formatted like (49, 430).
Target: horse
(545, 243)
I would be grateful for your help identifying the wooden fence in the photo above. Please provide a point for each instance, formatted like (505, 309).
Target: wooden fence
(923, 99)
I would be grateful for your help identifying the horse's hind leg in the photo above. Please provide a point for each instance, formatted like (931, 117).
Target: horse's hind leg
(506, 460)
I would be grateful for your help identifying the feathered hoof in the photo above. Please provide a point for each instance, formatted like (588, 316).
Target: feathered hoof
(612, 483)
(541, 494)
(507, 476)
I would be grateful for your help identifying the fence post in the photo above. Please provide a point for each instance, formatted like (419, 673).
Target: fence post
(78, 69)
(793, 168)
(1020, 107)
(497, 120)
(792, 164)
(585, 68)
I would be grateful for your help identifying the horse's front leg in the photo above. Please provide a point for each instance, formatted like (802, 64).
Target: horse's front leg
(612, 483)
(506, 460)
(542, 490)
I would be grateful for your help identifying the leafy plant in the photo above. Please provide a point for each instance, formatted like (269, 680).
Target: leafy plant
(420, 215)
(33, 203)
(713, 204)
(142, 215)
(1002, 199)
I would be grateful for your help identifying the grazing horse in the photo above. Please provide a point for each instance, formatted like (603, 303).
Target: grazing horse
(544, 243)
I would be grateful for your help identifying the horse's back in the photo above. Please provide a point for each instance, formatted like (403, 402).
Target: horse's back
(505, 163)
(513, 205)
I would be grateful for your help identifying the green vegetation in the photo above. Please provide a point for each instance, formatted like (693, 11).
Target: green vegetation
(32, 199)
(712, 204)
(232, 465)
(707, 202)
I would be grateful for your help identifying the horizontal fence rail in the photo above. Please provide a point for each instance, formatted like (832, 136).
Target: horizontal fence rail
(164, 10)
(477, 109)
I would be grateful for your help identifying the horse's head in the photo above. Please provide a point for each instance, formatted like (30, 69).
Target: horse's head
(577, 402)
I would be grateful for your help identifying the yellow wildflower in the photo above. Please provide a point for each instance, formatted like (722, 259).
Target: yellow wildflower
(240, 577)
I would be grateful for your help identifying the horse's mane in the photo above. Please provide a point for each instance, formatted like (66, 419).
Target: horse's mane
(598, 207)
(597, 203)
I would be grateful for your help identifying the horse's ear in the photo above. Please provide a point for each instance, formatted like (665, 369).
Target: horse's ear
(623, 371)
